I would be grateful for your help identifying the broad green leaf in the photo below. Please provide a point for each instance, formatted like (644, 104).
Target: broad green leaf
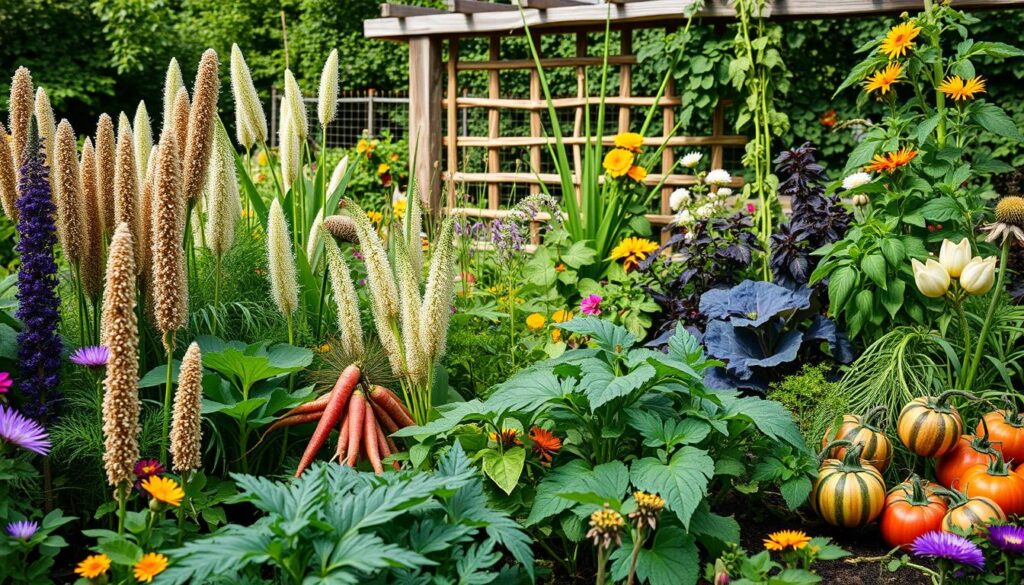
(505, 468)
(770, 417)
(605, 334)
(892, 298)
(672, 559)
(941, 209)
(601, 385)
(795, 491)
(708, 526)
(564, 478)
(683, 483)
(527, 391)
(579, 254)
(121, 551)
(840, 288)
(992, 118)
(874, 266)
(894, 251)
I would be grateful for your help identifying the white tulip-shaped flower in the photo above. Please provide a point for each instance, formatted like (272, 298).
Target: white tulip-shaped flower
(931, 278)
(954, 257)
(979, 275)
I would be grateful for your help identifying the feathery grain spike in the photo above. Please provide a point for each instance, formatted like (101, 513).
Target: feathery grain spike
(250, 119)
(8, 178)
(186, 425)
(21, 105)
(289, 147)
(170, 289)
(146, 198)
(47, 125)
(297, 107)
(409, 307)
(143, 133)
(223, 199)
(172, 83)
(314, 239)
(281, 262)
(349, 321)
(327, 99)
(182, 110)
(437, 301)
(126, 186)
(105, 163)
(71, 225)
(381, 282)
(201, 120)
(92, 263)
(341, 227)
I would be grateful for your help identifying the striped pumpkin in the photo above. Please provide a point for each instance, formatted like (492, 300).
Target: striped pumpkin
(861, 430)
(972, 513)
(848, 492)
(929, 426)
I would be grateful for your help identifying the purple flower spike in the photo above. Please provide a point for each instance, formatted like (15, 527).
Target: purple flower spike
(951, 547)
(17, 429)
(23, 529)
(94, 356)
(591, 305)
(5, 382)
(1007, 538)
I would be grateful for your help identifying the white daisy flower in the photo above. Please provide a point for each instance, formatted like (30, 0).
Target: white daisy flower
(718, 177)
(684, 217)
(679, 198)
(856, 180)
(691, 159)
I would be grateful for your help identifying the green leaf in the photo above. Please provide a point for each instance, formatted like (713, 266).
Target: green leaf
(505, 468)
(874, 266)
(683, 483)
(605, 334)
(580, 254)
(705, 524)
(840, 288)
(795, 577)
(659, 433)
(795, 491)
(527, 391)
(892, 297)
(894, 251)
(924, 129)
(564, 478)
(993, 49)
(121, 551)
(601, 385)
(941, 209)
(672, 559)
(769, 416)
(992, 118)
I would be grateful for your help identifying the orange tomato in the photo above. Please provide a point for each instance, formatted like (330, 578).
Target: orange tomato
(910, 511)
(968, 451)
(1006, 431)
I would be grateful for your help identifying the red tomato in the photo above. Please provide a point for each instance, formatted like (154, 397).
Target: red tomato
(969, 451)
(910, 511)
(1006, 431)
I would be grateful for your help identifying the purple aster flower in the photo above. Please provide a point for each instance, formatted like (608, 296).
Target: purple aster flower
(947, 546)
(93, 356)
(39, 346)
(5, 382)
(1007, 538)
(591, 305)
(17, 429)
(23, 529)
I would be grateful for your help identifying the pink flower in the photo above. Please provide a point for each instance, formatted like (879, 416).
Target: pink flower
(5, 382)
(751, 208)
(591, 305)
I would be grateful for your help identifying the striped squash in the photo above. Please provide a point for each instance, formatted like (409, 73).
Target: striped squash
(972, 513)
(848, 492)
(861, 430)
(929, 426)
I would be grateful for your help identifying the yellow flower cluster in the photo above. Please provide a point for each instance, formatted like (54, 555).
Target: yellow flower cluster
(620, 160)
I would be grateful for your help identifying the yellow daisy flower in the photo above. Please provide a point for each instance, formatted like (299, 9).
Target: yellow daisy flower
(535, 321)
(618, 161)
(383, 168)
(149, 566)
(632, 250)
(631, 141)
(786, 539)
(637, 173)
(375, 216)
(398, 207)
(93, 566)
(958, 89)
(164, 489)
(883, 79)
(561, 316)
(899, 40)
(362, 146)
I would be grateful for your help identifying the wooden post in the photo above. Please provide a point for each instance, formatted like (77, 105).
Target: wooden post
(453, 110)
(535, 132)
(667, 155)
(625, 78)
(577, 128)
(425, 118)
(494, 125)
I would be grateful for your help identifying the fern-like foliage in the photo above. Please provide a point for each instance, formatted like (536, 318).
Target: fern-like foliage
(337, 525)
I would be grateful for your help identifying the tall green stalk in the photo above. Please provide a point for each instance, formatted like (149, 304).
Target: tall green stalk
(997, 292)
(168, 391)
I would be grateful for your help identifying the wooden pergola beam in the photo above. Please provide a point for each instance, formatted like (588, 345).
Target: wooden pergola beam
(475, 17)
(388, 10)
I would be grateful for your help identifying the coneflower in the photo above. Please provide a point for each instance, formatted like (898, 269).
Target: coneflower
(201, 120)
(281, 265)
(250, 119)
(337, 176)
(142, 128)
(327, 100)
(341, 227)
(121, 386)
(381, 282)
(39, 345)
(126, 186)
(105, 163)
(172, 83)
(71, 225)
(297, 107)
(8, 177)
(349, 322)
(288, 147)
(223, 199)
(47, 125)
(182, 109)
(186, 428)
(21, 105)
(437, 301)
(92, 262)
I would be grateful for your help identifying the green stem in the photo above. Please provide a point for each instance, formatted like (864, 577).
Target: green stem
(122, 505)
(320, 306)
(638, 541)
(967, 340)
(218, 275)
(169, 345)
(993, 304)
(602, 555)
(937, 73)
(181, 507)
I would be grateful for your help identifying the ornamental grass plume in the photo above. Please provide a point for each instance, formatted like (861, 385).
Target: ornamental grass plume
(337, 175)
(201, 120)
(314, 239)
(327, 99)
(21, 106)
(173, 82)
(297, 107)
(409, 314)
(47, 125)
(126, 185)
(71, 224)
(143, 143)
(146, 197)
(8, 178)
(121, 385)
(170, 287)
(186, 426)
(289, 147)
(412, 226)
(224, 202)
(105, 163)
(39, 345)
(182, 111)
(381, 282)
(349, 322)
(92, 216)
(250, 119)
(437, 301)
(281, 265)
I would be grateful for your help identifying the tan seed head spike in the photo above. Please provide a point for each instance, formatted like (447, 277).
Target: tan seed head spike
(410, 309)
(281, 262)
(21, 106)
(126, 186)
(105, 163)
(143, 133)
(223, 199)
(201, 120)
(186, 424)
(349, 322)
(289, 147)
(327, 99)
(437, 301)
(146, 204)
(296, 106)
(8, 177)
(121, 386)
(341, 227)
(92, 264)
(182, 109)
(172, 83)
(47, 125)
(170, 289)
(71, 225)
(250, 119)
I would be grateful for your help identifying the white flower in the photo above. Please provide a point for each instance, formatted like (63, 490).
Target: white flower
(724, 192)
(718, 177)
(679, 198)
(691, 159)
(684, 217)
(688, 237)
(704, 211)
(856, 180)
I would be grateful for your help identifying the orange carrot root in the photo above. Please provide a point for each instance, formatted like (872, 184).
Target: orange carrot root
(382, 417)
(293, 420)
(339, 397)
(339, 453)
(386, 447)
(317, 405)
(357, 408)
(392, 405)
(370, 441)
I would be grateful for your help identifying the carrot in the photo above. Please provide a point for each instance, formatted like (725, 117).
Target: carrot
(370, 440)
(388, 424)
(339, 454)
(340, 394)
(392, 405)
(356, 429)
(390, 393)
(318, 404)
(297, 419)
(385, 444)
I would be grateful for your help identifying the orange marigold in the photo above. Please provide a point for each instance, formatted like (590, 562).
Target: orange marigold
(618, 161)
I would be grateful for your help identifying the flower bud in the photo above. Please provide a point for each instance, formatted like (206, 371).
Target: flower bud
(954, 257)
(979, 275)
(860, 200)
(931, 278)
(721, 573)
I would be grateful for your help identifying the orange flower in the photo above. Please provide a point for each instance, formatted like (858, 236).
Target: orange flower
(561, 316)
(883, 79)
(559, 267)
(151, 565)
(828, 119)
(958, 89)
(899, 40)
(544, 444)
(784, 539)
(631, 141)
(556, 335)
(618, 161)
(891, 161)
(93, 566)
(164, 489)
(637, 173)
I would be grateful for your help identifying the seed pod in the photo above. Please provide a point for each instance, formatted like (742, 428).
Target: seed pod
(341, 227)
(105, 163)
(201, 120)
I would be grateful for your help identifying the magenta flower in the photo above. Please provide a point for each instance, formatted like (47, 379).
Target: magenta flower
(5, 382)
(751, 208)
(1007, 538)
(23, 529)
(18, 429)
(147, 468)
(591, 305)
(94, 356)
(950, 547)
